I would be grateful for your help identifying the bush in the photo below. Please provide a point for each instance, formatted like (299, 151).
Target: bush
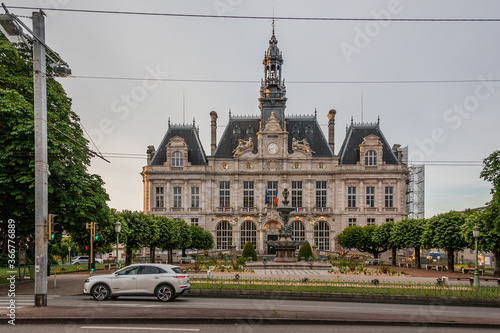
(249, 251)
(305, 251)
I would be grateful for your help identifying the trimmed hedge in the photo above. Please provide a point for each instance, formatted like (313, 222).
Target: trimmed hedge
(249, 251)
(305, 251)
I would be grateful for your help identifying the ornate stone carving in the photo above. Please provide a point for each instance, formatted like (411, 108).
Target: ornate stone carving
(272, 124)
(243, 146)
(301, 145)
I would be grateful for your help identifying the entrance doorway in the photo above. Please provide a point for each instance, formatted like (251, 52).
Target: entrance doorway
(270, 249)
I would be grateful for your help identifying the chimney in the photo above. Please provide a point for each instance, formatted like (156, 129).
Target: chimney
(150, 152)
(331, 129)
(213, 125)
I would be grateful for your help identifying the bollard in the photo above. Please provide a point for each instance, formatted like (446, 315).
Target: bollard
(55, 278)
(208, 274)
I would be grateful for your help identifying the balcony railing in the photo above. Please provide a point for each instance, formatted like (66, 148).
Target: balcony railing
(224, 210)
(248, 210)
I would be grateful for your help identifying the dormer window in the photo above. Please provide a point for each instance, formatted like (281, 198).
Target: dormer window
(371, 158)
(177, 160)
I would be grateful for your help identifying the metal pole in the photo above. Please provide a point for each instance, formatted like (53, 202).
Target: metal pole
(117, 242)
(41, 166)
(476, 271)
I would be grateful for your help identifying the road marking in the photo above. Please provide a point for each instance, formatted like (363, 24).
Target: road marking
(139, 328)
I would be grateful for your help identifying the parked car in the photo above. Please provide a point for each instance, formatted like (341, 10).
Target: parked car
(82, 260)
(166, 282)
(434, 255)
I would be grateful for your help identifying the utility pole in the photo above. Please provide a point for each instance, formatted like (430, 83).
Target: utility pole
(91, 226)
(41, 165)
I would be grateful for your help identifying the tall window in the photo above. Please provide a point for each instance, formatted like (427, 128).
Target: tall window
(322, 236)
(248, 233)
(177, 197)
(224, 235)
(272, 189)
(320, 194)
(195, 197)
(389, 220)
(371, 158)
(248, 194)
(370, 221)
(352, 222)
(296, 194)
(194, 221)
(177, 159)
(370, 196)
(351, 196)
(389, 196)
(160, 196)
(224, 194)
(298, 231)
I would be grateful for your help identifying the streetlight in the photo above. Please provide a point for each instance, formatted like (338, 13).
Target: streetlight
(118, 228)
(475, 233)
(69, 254)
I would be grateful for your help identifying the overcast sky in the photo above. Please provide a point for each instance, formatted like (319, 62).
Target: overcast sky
(448, 121)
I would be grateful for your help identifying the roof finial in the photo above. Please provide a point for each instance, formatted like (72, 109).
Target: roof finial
(315, 113)
(229, 112)
(168, 122)
(352, 119)
(378, 120)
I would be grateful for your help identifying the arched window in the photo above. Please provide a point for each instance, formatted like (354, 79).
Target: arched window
(248, 233)
(177, 160)
(224, 235)
(371, 158)
(322, 236)
(298, 231)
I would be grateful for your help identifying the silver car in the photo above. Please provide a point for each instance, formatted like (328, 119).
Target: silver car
(166, 282)
(81, 260)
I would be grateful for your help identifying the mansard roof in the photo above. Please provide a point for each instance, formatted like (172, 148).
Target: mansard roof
(239, 127)
(349, 152)
(196, 154)
(299, 127)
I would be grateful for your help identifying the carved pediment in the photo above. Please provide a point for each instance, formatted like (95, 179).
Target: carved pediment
(371, 140)
(272, 124)
(176, 141)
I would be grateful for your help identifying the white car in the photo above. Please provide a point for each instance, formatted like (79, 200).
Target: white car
(166, 282)
(82, 260)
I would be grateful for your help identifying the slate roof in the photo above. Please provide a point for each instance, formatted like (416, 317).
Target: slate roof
(196, 154)
(299, 127)
(349, 152)
(238, 128)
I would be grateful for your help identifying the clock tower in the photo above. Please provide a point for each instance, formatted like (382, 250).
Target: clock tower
(272, 91)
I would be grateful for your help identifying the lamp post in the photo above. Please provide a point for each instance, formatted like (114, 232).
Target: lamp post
(475, 233)
(233, 223)
(69, 254)
(118, 228)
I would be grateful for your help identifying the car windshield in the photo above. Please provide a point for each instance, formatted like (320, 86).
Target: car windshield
(177, 270)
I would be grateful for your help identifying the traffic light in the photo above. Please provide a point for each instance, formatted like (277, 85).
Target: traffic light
(52, 229)
(96, 232)
(86, 248)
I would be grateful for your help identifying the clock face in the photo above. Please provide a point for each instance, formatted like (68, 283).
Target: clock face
(272, 148)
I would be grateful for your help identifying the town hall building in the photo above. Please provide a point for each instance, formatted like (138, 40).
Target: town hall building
(233, 191)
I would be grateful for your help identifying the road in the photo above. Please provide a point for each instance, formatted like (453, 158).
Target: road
(236, 329)
(254, 306)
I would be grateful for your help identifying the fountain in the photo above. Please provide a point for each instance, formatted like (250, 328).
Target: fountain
(285, 246)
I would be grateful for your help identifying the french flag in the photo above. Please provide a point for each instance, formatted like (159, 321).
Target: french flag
(297, 209)
(223, 209)
(276, 197)
(322, 209)
(248, 209)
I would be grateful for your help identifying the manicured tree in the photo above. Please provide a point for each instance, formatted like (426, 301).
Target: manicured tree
(138, 232)
(305, 251)
(200, 238)
(184, 236)
(489, 222)
(443, 231)
(169, 234)
(382, 235)
(361, 238)
(249, 251)
(407, 233)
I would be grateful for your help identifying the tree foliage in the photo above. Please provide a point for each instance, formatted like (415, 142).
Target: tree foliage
(407, 233)
(443, 231)
(200, 238)
(74, 194)
(249, 251)
(361, 239)
(491, 170)
(382, 235)
(305, 251)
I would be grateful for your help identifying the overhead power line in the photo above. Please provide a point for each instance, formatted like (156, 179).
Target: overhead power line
(277, 18)
(288, 82)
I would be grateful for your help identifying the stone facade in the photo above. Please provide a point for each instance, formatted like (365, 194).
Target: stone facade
(233, 191)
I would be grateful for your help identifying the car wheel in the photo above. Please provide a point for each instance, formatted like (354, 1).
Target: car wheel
(165, 293)
(100, 292)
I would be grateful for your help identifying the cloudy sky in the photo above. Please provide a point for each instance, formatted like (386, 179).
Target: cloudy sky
(329, 64)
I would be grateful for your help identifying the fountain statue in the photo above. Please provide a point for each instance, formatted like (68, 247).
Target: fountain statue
(285, 246)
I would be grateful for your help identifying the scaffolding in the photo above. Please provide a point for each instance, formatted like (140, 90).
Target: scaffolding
(415, 191)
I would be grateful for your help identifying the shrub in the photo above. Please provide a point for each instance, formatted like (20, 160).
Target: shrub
(305, 251)
(249, 251)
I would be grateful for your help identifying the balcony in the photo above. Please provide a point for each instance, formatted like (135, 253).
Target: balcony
(390, 209)
(224, 210)
(301, 211)
(176, 209)
(352, 209)
(248, 210)
(195, 209)
(159, 209)
(322, 210)
(371, 209)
